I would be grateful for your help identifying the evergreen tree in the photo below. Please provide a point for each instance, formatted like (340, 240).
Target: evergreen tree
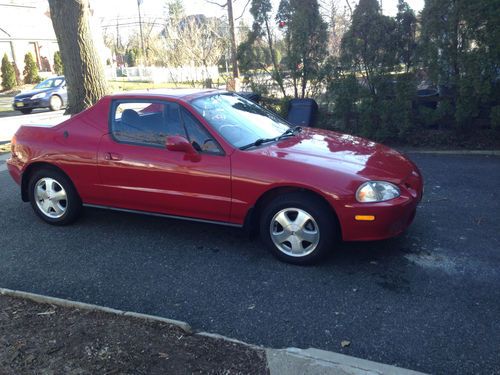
(461, 53)
(305, 38)
(261, 12)
(8, 74)
(406, 29)
(30, 72)
(369, 47)
(58, 65)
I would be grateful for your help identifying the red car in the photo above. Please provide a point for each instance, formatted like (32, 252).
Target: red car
(213, 156)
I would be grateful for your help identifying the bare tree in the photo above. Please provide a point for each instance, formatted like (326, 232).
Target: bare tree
(198, 41)
(232, 34)
(82, 67)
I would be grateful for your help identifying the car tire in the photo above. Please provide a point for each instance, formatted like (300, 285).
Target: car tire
(298, 228)
(26, 111)
(53, 197)
(55, 103)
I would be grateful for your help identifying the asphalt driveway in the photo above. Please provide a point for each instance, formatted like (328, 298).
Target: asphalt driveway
(428, 300)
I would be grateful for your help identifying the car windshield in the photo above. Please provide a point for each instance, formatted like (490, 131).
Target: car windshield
(240, 121)
(49, 83)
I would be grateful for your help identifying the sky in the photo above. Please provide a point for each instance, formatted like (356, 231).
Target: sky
(128, 8)
(152, 10)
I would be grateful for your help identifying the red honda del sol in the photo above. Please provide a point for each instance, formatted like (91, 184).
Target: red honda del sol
(213, 156)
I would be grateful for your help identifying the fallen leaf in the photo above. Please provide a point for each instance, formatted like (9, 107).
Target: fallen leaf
(345, 343)
(47, 312)
(163, 355)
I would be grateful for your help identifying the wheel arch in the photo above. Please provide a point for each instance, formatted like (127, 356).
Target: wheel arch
(253, 214)
(30, 169)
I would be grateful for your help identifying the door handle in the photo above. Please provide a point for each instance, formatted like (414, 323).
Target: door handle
(112, 156)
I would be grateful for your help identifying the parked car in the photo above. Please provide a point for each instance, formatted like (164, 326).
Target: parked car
(213, 156)
(50, 93)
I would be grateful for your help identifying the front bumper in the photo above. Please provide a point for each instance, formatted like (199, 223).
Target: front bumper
(390, 217)
(28, 103)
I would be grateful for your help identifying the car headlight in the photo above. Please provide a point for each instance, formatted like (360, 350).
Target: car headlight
(39, 95)
(376, 191)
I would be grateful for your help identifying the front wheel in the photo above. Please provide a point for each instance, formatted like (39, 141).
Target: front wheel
(53, 197)
(298, 228)
(26, 111)
(55, 103)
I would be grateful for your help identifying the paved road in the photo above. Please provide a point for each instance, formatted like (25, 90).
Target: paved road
(428, 300)
(12, 120)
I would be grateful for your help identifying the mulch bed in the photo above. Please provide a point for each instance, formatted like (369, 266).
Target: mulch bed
(46, 339)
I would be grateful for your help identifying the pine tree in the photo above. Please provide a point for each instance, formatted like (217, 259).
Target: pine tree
(8, 74)
(58, 65)
(369, 47)
(261, 12)
(30, 71)
(305, 38)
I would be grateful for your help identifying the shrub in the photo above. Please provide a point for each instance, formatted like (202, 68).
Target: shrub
(8, 74)
(58, 65)
(495, 117)
(30, 71)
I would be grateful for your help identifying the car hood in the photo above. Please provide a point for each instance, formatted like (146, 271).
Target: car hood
(343, 152)
(30, 93)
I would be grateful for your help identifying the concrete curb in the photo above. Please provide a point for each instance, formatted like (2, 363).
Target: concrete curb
(290, 361)
(294, 361)
(89, 307)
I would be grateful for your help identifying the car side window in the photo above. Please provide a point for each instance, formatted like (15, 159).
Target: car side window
(141, 122)
(146, 122)
(199, 137)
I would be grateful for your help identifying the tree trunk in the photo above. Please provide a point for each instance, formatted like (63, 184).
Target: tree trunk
(82, 67)
(234, 52)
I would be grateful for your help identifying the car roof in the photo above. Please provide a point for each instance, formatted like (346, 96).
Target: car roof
(186, 94)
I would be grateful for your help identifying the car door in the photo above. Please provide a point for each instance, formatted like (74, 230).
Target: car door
(137, 171)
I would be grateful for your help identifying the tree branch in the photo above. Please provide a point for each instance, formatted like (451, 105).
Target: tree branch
(243, 12)
(216, 3)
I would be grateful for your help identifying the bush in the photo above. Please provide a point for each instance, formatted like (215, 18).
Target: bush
(8, 74)
(132, 56)
(495, 117)
(58, 65)
(30, 71)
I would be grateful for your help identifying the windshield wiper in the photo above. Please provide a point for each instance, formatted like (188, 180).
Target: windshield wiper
(258, 142)
(289, 132)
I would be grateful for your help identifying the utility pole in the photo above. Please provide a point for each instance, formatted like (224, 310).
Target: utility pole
(139, 2)
(234, 54)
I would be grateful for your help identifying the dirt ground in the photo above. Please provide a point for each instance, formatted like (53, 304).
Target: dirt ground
(50, 340)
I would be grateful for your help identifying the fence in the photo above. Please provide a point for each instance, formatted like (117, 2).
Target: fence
(163, 74)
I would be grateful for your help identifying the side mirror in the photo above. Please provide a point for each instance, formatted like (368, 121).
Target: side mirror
(181, 144)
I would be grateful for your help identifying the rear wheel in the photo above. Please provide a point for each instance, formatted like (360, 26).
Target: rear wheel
(55, 103)
(298, 228)
(53, 197)
(26, 111)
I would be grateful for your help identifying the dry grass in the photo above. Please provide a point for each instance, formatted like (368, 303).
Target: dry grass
(4, 148)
